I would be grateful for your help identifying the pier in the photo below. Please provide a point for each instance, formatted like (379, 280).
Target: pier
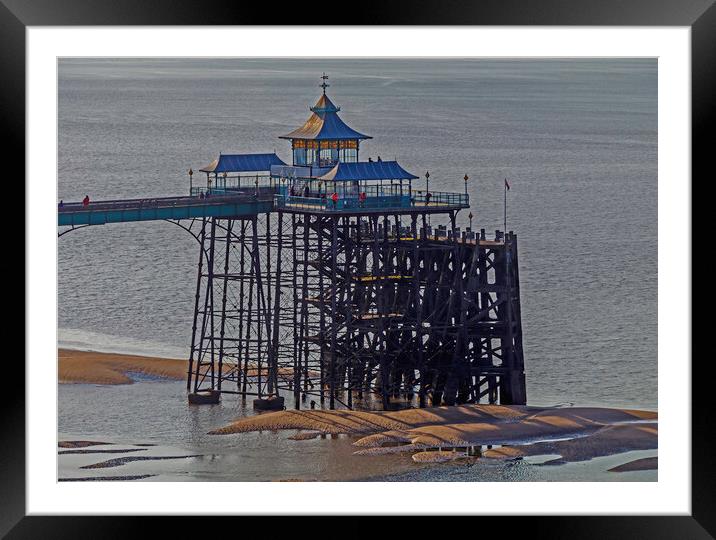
(164, 208)
(328, 280)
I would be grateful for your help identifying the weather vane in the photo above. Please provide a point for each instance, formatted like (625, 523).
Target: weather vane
(324, 84)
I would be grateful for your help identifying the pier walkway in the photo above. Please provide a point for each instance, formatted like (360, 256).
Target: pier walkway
(244, 202)
(236, 204)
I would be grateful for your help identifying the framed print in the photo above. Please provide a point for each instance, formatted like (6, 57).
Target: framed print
(294, 263)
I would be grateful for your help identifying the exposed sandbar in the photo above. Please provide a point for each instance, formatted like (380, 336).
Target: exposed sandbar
(107, 368)
(118, 451)
(305, 435)
(643, 464)
(116, 462)
(89, 367)
(607, 441)
(576, 434)
(80, 444)
(437, 456)
(107, 478)
(365, 422)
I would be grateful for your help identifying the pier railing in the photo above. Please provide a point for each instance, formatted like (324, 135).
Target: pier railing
(324, 202)
(301, 203)
(130, 204)
(149, 209)
(374, 196)
(260, 191)
(263, 183)
(441, 198)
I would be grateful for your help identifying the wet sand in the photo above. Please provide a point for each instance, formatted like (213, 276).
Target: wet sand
(86, 452)
(107, 478)
(607, 441)
(104, 368)
(116, 462)
(643, 464)
(462, 434)
(80, 444)
(576, 434)
(89, 367)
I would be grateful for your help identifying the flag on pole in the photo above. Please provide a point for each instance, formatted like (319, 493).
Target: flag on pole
(507, 188)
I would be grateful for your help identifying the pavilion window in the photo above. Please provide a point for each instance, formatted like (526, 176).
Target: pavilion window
(299, 156)
(311, 152)
(299, 152)
(348, 151)
(326, 157)
(348, 155)
(311, 156)
(328, 153)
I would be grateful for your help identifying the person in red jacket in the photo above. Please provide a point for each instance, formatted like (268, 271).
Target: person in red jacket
(85, 201)
(334, 198)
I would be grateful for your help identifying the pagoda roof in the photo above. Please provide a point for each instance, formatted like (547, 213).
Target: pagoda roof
(367, 170)
(243, 163)
(325, 124)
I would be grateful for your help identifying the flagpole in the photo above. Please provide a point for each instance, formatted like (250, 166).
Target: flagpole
(505, 214)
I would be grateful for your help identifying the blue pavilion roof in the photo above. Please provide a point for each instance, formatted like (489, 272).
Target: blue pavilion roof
(243, 163)
(325, 124)
(367, 170)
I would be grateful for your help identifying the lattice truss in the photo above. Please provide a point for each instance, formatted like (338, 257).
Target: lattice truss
(357, 311)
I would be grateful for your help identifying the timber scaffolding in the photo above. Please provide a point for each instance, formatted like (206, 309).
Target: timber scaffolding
(367, 309)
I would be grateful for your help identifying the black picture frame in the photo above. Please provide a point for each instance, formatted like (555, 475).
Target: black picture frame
(699, 15)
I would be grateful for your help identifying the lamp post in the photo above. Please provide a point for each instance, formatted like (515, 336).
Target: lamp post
(466, 178)
(470, 218)
(427, 191)
(191, 173)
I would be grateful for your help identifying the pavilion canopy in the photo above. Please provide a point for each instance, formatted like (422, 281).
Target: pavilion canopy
(243, 163)
(367, 170)
(325, 124)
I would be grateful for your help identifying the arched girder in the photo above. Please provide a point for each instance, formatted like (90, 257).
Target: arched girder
(73, 228)
(195, 235)
(177, 222)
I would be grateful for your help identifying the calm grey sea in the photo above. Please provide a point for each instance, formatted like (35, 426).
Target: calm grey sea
(577, 140)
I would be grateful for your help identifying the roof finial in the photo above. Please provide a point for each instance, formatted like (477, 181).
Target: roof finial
(324, 84)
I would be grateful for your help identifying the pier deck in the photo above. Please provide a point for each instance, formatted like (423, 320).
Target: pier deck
(226, 203)
(126, 210)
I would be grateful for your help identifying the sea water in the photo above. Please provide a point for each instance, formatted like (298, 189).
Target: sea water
(577, 140)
